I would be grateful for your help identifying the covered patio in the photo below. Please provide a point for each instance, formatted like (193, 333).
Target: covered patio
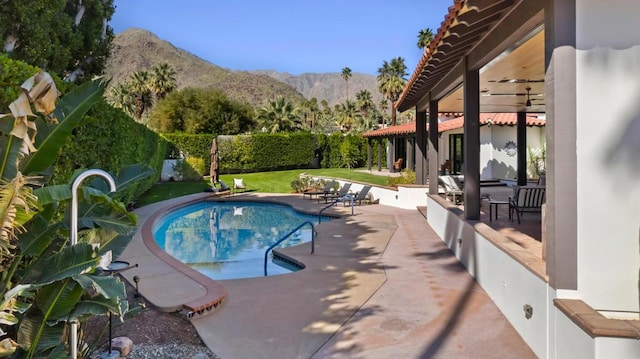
(528, 57)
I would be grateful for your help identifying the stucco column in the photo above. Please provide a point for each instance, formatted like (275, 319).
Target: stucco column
(433, 147)
(421, 147)
(560, 100)
(410, 153)
(391, 153)
(471, 144)
(379, 154)
(369, 153)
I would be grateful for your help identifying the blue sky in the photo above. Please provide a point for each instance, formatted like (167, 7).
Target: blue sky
(294, 36)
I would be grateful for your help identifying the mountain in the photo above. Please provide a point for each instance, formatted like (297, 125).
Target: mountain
(328, 86)
(137, 49)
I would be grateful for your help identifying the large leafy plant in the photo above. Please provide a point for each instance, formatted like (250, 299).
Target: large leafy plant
(45, 283)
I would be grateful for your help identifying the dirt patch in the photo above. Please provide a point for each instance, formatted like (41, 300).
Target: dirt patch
(145, 326)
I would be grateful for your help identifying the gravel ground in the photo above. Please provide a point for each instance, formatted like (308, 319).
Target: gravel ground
(155, 334)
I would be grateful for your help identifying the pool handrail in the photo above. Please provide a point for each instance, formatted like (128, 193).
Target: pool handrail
(349, 195)
(313, 243)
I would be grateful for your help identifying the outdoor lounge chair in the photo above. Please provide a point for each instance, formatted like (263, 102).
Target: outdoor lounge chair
(526, 199)
(327, 189)
(238, 185)
(451, 189)
(360, 196)
(332, 196)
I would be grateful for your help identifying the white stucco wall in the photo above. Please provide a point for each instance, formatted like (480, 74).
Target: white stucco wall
(403, 197)
(509, 284)
(168, 173)
(608, 152)
(495, 162)
(486, 153)
(504, 165)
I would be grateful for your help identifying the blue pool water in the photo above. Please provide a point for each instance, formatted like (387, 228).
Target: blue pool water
(227, 240)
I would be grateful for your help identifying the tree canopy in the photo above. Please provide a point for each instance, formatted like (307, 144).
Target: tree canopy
(424, 37)
(70, 38)
(199, 111)
(391, 81)
(279, 115)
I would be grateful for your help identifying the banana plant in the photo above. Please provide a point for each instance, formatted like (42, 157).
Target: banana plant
(46, 283)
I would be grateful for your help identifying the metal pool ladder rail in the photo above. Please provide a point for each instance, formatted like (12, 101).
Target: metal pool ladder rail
(313, 242)
(346, 196)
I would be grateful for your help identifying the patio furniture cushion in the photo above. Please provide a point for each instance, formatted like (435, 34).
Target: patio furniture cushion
(238, 184)
(451, 188)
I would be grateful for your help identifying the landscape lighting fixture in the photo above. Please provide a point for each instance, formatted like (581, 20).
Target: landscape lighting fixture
(528, 103)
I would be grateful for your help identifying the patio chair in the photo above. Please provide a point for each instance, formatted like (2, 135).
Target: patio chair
(238, 185)
(344, 190)
(451, 189)
(327, 189)
(526, 199)
(360, 196)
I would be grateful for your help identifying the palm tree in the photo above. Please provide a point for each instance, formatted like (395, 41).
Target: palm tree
(139, 89)
(162, 80)
(364, 100)
(424, 38)
(279, 115)
(391, 81)
(346, 75)
(383, 105)
(348, 115)
(119, 96)
(310, 110)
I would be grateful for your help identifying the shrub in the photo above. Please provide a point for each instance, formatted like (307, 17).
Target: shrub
(407, 176)
(12, 75)
(197, 164)
(305, 183)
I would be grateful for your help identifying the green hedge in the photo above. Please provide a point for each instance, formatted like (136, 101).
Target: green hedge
(339, 151)
(109, 139)
(272, 151)
(266, 152)
(106, 138)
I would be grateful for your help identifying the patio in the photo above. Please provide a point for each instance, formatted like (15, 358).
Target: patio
(381, 282)
(527, 233)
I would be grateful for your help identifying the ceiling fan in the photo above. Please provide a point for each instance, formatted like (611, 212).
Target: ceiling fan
(517, 81)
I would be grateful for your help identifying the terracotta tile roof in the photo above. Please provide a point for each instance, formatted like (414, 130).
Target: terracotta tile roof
(496, 119)
(466, 22)
(404, 129)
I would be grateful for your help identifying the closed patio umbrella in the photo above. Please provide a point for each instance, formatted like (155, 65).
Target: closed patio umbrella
(214, 169)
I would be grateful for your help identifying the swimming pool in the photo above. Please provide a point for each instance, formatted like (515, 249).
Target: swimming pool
(227, 240)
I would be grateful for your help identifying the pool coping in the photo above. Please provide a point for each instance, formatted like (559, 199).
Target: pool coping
(215, 292)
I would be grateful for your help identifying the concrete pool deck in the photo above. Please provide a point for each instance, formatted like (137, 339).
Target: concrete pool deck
(380, 284)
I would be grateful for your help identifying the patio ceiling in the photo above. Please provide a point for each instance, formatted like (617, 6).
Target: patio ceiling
(504, 78)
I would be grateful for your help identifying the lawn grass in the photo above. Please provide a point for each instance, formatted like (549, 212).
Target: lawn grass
(267, 182)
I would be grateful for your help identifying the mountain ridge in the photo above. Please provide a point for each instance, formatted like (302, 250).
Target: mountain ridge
(138, 49)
